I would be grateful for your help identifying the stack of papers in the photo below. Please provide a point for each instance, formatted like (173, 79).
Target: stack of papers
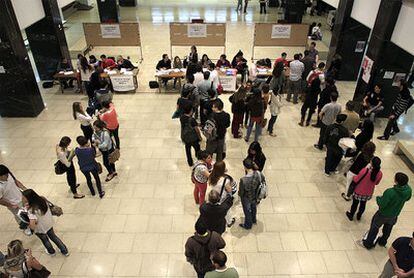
(111, 72)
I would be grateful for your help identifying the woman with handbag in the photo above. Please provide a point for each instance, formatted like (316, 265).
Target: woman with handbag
(41, 221)
(365, 183)
(20, 263)
(223, 184)
(109, 116)
(102, 139)
(65, 156)
(88, 165)
(362, 160)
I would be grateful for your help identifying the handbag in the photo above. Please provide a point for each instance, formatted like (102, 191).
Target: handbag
(54, 209)
(353, 184)
(99, 167)
(60, 168)
(114, 156)
(42, 273)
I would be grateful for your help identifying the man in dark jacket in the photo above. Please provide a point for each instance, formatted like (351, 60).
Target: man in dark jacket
(390, 205)
(311, 99)
(200, 246)
(402, 104)
(222, 122)
(334, 152)
(325, 97)
(213, 213)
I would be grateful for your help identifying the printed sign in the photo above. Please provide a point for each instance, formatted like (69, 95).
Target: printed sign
(110, 31)
(388, 75)
(281, 31)
(122, 83)
(197, 30)
(359, 48)
(367, 64)
(228, 83)
(397, 78)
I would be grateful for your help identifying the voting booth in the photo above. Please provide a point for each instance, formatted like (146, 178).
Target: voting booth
(276, 35)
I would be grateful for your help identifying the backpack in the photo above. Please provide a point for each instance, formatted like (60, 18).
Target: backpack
(315, 74)
(210, 129)
(188, 133)
(261, 191)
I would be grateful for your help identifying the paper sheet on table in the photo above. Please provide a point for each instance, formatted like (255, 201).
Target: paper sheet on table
(110, 72)
(68, 72)
(128, 73)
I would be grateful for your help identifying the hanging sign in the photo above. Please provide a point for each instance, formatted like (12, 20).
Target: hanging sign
(367, 64)
(110, 31)
(281, 31)
(197, 30)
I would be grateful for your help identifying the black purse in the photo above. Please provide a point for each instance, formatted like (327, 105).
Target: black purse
(42, 273)
(60, 168)
(353, 184)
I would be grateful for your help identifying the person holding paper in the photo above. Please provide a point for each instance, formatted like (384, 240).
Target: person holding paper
(164, 64)
(124, 63)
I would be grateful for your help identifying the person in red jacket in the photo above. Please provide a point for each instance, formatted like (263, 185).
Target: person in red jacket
(365, 181)
(107, 63)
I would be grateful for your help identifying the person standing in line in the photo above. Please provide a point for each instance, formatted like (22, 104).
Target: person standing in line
(402, 104)
(102, 139)
(200, 174)
(65, 156)
(278, 78)
(255, 153)
(88, 165)
(352, 118)
(246, 2)
(41, 222)
(238, 107)
(365, 182)
(190, 133)
(311, 99)
(214, 76)
(295, 78)
(248, 88)
(265, 97)
(309, 64)
(214, 212)
(203, 88)
(390, 205)
(262, 6)
(362, 160)
(239, 5)
(275, 107)
(84, 119)
(222, 122)
(221, 270)
(366, 134)
(109, 116)
(85, 70)
(313, 52)
(200, 246)
(325, 97)
(328, 115)
(222, 183)
(247, 191)
(11, 196)
(401, 259)
(334, 152)
(256, 108)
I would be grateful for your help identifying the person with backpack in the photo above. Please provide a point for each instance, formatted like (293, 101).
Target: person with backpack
(19, 261)
(215, 130)
(182, 101)
(41, 221)
(248, 189)
(256, 108)
(390, 205)
(238, 107)
(103, 141)
(223, 184)
(334, 152)
(214, 212)
(109, 116)
(200, 247)
(191, 91)
(200, 174)
(11, 196)
(365, 183)
(190, 133)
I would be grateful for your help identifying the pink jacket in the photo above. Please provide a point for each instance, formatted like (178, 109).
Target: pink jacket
(366, 186)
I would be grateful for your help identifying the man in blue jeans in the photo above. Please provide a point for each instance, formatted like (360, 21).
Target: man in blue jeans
(247, 192)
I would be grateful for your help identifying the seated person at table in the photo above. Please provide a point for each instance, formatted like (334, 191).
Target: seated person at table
(124, 63)
(241, 65)
(373, 103)
(96, 83)
(164, 64)
(64, 65)
(223, 62)
(317, 32)
(264, 63)
(205, 61)
(107, 63)
(177, 64)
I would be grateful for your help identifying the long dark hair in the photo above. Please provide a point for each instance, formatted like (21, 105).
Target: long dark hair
(278, 69)
(35, 201)
(77, 109)
(368, 150)
(255, 146)
(84, 64)
(368, 129)
(376, 167)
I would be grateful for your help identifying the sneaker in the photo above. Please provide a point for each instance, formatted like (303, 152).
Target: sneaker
(101, 194)
(361, 243)
(336, 172)
(394, 132)
(349, 215)
(307, 123)
(50, 254)
(382, 137)
(346, 198)
(232, 223)
(327, 174)
(67, 254)
(109, 177)
(27, 232)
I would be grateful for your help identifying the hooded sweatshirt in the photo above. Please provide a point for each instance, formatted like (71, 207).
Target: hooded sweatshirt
(392, 201)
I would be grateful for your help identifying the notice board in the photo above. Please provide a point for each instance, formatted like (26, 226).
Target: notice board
(119, 34)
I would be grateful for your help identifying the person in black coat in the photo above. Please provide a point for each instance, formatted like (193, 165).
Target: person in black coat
(255, 153)
(325, 97)
(213, 213)
(311, 100)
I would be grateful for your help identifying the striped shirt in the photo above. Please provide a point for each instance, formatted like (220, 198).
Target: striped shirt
(401, 104)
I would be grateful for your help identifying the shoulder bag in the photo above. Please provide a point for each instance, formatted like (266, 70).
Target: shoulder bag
(353, 184)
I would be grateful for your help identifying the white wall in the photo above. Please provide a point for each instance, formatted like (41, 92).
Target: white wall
(28, 12)
(365, 11)
(333, 3)
(63, 3)
(403, 31)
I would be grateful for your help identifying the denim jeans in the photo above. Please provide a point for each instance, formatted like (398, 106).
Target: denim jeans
(89, 181)
(53, 237)
(250, 210)
(294, 88)
(114, 133)
(109, 166)
(257, 132)
(196, 146)
(272, 122)
(377, 221)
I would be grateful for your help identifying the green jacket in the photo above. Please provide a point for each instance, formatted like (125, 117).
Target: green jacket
(392, 201)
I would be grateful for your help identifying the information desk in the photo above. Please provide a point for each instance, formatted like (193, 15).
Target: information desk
(62, 75)
(227, 78)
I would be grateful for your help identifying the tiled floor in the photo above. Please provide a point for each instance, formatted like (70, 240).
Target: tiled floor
(140, 227)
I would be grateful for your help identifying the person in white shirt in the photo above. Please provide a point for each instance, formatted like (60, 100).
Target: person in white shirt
(11, 195)
(213, 75)
(85, 70)
(84, 119)
(295, 78)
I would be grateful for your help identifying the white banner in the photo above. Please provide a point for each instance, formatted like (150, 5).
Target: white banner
(281, 31)
(110, 31)
(197, 30)
(228, 83)
(367, 64)
(122, 83)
